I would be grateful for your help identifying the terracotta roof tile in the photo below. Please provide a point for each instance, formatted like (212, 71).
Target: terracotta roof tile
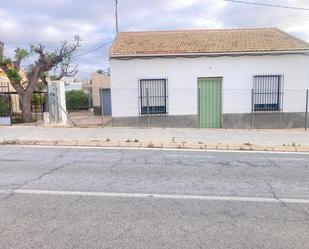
(186, 42)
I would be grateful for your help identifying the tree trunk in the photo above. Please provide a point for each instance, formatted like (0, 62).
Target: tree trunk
(25, 101)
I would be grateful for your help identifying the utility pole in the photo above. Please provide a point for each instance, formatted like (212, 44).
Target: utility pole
(116, 15)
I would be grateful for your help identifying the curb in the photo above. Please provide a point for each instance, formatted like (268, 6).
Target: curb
(150, 144)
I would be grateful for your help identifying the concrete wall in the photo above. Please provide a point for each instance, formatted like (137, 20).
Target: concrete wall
(171, 121)
(182, 75)
(98, 81)
(278, 120)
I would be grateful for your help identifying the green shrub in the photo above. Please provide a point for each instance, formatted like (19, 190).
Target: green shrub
(37, 100)
(4, 106)
(76, 100)
(17, 118)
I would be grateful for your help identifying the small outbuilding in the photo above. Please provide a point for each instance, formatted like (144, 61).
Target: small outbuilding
(101, 93)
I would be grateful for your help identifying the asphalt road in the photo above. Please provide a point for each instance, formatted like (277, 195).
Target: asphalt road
(101, 198)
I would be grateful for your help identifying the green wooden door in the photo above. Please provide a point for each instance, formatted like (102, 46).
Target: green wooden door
(209, 102)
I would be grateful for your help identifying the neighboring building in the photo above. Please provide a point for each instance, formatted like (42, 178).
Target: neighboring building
(210, 78)
(87, 87)
(2, 74)
(101, 86)
(5, 85)
(72, 84)
(77, 86)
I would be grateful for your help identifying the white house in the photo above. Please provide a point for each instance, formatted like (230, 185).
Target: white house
(229, 78)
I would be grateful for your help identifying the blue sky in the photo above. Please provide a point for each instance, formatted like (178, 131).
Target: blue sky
(49, 22)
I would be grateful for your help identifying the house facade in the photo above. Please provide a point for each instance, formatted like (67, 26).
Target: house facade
(238, 78)
(5, 85)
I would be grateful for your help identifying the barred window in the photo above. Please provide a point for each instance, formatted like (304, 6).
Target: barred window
(153, 96)
(267, 93)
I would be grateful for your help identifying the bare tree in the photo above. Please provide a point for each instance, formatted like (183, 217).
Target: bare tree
(60, 61)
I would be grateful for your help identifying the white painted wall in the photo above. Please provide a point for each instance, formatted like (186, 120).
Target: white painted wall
(182, 74)
(57, 107)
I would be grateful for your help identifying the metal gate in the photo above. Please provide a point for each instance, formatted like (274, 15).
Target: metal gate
(209, 102)
(106, 102)
(5, 105)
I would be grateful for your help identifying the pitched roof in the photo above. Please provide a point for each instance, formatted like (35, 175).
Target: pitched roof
(192, 42)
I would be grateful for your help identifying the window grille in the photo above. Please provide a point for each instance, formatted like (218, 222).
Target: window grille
(267, 93)
(153, 96)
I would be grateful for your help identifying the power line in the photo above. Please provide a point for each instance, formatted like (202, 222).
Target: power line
(267, 5)
(90, 40)
(84, 53)
(92, 50)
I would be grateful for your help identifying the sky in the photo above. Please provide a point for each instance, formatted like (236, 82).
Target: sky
(50, 22)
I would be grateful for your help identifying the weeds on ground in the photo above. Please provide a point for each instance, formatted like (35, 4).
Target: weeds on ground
(293, 145)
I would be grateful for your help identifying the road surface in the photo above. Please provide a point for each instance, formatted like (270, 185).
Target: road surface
(112, 198)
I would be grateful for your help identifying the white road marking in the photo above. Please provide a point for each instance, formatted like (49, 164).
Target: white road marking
(96, 153)
(157, 196)
(160, 149)
(189, 156)
(285, 159)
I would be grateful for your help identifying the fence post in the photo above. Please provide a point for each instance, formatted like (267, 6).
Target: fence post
(35, 105)
(252, 107)
(147, 97)
(11, 108)
(102, 108)
(198, 107)
(306, 115)
(42, 107)
(46, 109)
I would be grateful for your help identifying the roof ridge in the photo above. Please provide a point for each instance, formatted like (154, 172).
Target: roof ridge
(195, 30)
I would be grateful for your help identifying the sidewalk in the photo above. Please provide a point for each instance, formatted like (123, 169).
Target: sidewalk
(278, 140)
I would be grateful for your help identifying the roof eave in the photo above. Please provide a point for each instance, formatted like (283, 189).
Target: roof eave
(240, 53)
